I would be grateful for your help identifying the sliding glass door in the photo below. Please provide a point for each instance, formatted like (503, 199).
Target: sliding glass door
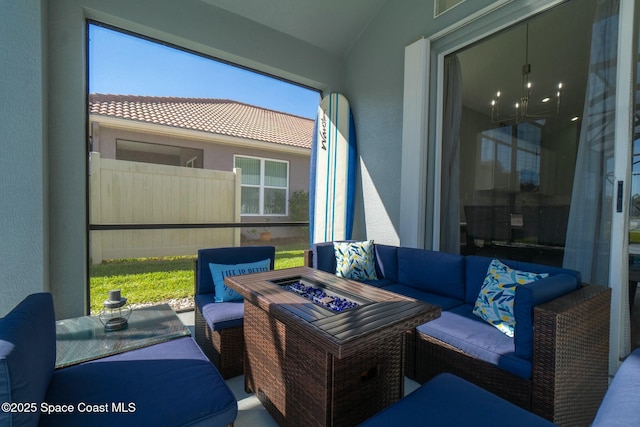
(634, 204)
(516, 141)
(534, 146)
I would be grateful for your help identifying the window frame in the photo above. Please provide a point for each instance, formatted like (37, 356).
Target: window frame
(491, 147)
(262, 186)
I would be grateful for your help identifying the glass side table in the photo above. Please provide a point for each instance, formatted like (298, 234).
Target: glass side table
(84, 338)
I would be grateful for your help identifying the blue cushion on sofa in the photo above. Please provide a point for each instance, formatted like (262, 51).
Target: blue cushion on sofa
(386, 262)
(380, 283)
(438, 272)
(27, 356)
(170, 384)
(220, 315)
(324, 257)
(445, 303)
(530, 295)
(447, 400)
(462, 329)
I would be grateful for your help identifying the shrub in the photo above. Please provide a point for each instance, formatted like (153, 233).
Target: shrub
(299, 206)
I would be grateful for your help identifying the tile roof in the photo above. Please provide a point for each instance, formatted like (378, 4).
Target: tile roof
(218, 116)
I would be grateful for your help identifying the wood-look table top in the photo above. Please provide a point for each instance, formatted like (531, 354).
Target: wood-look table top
(380, 312)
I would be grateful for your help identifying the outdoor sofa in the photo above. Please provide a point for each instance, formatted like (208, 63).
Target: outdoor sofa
(171, 383)
(556, 364)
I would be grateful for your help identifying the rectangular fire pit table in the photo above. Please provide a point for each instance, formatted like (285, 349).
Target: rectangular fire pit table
(312, 366)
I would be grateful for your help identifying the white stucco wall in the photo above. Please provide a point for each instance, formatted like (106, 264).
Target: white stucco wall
(23, 151)
(374, 83)
(374, 78)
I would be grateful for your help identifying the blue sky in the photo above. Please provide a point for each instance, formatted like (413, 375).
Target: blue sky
(122, 64)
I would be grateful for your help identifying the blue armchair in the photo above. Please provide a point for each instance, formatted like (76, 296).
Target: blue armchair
(219, 322)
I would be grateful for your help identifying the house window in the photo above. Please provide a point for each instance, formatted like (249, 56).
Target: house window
(146, 152)
(509, 158)
(441, 6)
(265, 185)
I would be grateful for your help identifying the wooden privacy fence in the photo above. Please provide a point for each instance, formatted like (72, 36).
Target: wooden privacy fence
(123, 192)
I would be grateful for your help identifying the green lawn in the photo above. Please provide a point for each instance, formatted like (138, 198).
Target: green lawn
(160, 279)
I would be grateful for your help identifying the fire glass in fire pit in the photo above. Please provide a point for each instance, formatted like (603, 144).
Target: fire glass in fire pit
(320, 296)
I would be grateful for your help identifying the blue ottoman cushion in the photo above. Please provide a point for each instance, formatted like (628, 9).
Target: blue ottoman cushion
(448, 400)
(172, 383)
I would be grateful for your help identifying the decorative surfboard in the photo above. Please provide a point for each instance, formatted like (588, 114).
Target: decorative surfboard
(333, 171)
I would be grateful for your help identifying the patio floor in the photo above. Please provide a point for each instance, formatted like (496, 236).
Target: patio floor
(251, 413)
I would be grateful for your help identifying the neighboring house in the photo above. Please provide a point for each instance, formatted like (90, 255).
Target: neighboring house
(271, 147)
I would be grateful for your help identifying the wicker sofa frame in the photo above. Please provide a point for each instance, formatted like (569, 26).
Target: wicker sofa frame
(570, 360)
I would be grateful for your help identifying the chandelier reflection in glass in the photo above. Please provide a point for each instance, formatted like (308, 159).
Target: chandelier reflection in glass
(522, 110)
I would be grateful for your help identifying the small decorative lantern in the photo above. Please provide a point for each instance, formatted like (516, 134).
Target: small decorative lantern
(115, 314)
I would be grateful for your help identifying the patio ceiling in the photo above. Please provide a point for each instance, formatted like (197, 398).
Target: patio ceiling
(560, 34)
(560, 40)
(332, 25)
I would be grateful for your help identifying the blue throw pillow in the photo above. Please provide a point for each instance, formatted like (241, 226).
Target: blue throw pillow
(495, 301)
(220, 271)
